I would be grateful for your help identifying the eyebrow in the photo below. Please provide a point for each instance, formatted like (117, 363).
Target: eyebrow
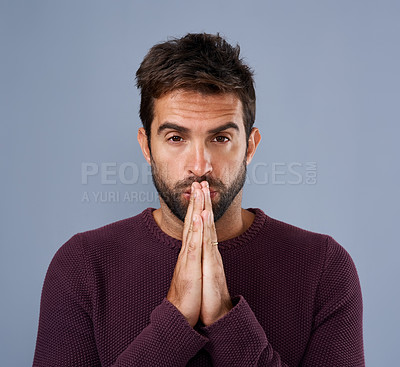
(182, 129)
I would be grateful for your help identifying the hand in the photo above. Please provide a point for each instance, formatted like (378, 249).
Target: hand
(186, 284)
(198, 286)
(216, 301)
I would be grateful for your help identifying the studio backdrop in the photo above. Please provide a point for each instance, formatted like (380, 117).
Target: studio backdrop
(327, 84)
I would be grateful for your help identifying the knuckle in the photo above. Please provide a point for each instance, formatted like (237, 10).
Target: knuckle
(192, 246)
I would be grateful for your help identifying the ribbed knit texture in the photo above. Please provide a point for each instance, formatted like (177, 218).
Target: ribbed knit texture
(296, 297)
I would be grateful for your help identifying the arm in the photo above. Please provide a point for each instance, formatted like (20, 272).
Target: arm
(238, 339)
(168, 340)
(337, 336)
(66, 335)
(235, 336)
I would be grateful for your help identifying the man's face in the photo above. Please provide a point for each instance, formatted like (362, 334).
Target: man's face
(197, 137)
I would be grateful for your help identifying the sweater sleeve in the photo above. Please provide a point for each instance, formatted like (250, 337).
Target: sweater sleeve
(237, 339)
(337, 335)
(66, 334)
(168, 340)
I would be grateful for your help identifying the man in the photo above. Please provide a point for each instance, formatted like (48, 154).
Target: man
(199, 281)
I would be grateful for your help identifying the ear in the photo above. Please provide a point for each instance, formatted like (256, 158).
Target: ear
(144, 144)
(254, 140)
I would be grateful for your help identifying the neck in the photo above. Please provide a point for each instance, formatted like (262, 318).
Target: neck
(233, 223)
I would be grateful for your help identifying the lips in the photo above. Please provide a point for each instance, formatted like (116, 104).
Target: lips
(212, 192)
(189, 191)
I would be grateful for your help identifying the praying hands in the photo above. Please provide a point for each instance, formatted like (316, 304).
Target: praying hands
(198, 286)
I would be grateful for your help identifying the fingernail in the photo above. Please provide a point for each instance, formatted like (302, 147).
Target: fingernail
(194, 218)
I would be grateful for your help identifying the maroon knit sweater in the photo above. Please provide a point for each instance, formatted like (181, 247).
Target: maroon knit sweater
(296, 297)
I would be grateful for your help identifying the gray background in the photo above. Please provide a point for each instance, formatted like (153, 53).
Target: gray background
(327, 81)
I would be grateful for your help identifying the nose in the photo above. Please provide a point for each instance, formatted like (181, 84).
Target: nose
(198, 161)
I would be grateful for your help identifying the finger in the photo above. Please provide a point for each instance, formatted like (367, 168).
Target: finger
(208, 206)
(194, 242)
(189, 216)
(207, 198)
(206, 234)
(198, 202)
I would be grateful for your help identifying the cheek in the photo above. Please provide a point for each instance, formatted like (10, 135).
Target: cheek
(227, 167)
(170, 168)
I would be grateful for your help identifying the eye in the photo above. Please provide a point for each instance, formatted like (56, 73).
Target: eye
(175, 139)
(221, 139)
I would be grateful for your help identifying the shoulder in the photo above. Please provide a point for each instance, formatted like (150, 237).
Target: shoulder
(120, 227)
(289, 233)
(108, 237)
(292, 242)
(287, 236)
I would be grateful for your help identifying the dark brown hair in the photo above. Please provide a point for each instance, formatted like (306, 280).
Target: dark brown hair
(201, 62)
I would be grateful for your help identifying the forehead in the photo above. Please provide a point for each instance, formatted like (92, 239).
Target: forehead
(188, 107)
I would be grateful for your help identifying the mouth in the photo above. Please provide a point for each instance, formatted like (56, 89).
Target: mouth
(213, 194)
